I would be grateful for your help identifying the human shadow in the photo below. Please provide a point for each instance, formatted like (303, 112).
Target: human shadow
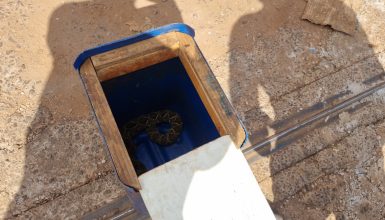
(64, 150)
(284, 70)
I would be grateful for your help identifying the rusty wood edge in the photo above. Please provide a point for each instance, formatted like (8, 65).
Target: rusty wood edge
(108, 127)
(137, 56)
(208, 88)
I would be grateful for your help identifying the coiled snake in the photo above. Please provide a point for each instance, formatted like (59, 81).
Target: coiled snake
(149, 123)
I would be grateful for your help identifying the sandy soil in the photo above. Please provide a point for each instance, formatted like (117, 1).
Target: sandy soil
(275, 67)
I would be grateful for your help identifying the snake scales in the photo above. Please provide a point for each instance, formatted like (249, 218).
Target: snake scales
(149, 123)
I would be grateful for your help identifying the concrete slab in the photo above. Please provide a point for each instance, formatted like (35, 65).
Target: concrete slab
(83, 200)
(343, 180)
(267, 58)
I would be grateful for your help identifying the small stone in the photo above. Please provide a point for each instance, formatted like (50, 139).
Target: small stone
(312, 50)
(329, 12)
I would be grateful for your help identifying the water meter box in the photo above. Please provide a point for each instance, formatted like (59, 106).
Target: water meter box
(155, 99)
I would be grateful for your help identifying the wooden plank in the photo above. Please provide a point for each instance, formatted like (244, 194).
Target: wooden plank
(109, 129)
(208, 88)
(134, 57)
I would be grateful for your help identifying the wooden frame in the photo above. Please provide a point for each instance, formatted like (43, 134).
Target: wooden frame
(127, 59)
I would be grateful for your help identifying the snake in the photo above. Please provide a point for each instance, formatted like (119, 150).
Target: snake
(149, 124)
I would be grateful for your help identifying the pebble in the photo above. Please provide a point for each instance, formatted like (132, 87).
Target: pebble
(312, 50)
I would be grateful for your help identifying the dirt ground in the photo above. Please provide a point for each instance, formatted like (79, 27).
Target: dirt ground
(275, 67)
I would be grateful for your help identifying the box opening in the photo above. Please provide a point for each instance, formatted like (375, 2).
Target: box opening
(130, 79)
(165, 86)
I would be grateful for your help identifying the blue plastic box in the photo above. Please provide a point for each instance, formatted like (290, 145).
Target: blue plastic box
(158, 69)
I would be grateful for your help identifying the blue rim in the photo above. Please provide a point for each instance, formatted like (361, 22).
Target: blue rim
(178, 27)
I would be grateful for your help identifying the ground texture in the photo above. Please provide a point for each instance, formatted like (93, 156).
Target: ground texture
(275, 63)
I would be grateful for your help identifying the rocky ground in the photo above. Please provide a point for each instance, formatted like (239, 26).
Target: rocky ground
(274, 63)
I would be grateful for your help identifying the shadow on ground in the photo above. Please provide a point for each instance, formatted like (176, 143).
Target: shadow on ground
(283, 70)
(64, 151)
(275, 60)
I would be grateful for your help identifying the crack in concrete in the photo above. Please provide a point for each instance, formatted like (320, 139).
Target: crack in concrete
(311, 158)
(337, 141)
(275, 99)
(59, 195)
